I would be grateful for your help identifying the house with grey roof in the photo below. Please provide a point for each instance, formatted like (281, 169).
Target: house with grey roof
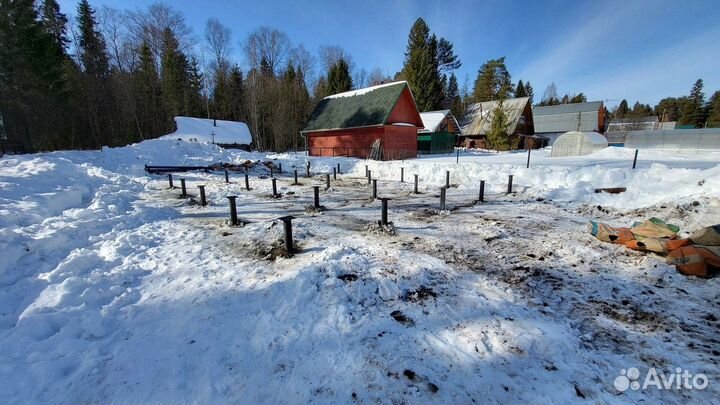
(477, 120)
(554, 120)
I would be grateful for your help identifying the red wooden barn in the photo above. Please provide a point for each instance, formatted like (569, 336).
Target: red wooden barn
(379, 122)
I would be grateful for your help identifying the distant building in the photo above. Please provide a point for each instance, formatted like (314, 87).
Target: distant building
(477, 120)
(554, 120)
(228, 134)
(649, 123)
(440, 132)
(674, 139)
(379, 122)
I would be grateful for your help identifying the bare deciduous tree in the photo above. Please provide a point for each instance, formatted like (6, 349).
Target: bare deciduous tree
(269, 44)
(218, 41)
(330, 55)
(149, 25)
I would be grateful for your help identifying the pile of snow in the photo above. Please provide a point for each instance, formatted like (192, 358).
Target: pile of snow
(204, 130)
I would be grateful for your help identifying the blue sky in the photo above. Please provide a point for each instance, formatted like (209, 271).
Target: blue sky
(610, 50)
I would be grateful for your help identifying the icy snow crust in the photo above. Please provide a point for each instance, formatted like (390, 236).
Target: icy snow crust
(115, 290)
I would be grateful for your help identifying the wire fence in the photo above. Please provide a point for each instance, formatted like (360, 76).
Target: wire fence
(611, 157)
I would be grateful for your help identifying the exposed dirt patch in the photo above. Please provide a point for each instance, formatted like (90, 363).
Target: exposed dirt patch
(402, 318)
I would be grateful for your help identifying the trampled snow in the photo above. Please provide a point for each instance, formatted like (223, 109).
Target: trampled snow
(116, 290)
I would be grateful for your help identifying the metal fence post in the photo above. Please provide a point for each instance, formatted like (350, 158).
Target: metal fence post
(509, 188)
(402, 175)
(338, 168)
(457, 159)
(272, 175)
(247, 182)
(528, 160)
(182, 185)
(482, 191)
(374, 183)
(635, 159)
(327, 181)
(279, 167)
(287, 225)
(442, 198)
(170, 180)
(233, 210)
(227, 177)
(367, 170)
(307, 169)
(296, 182)
(274, 185)
(415, 190)
(316, 197)
(203, 201)
(334, 173)
(447, 178)
(384, 214)
(369, 175)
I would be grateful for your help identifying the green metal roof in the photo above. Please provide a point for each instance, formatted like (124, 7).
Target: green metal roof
(359, 108)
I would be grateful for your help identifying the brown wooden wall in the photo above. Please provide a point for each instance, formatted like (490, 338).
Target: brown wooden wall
(399, 142)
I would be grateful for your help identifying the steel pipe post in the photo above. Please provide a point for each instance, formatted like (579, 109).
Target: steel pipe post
(203, 201)
(316, 197)
(233, 210)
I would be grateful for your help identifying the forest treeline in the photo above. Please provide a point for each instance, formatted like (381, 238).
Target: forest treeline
(109, 77)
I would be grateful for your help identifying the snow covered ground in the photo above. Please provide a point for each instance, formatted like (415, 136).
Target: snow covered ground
(115, 290)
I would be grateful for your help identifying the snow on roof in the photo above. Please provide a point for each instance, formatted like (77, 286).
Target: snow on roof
(358, 92)
(431, 119)
(202, 130)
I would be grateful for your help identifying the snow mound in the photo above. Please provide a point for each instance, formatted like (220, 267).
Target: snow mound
(204, 130)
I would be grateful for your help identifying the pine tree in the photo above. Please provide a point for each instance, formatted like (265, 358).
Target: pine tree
(669, 108)
(520, 90)
(493, 81)
(174, 78)
(31, 75)
(93, 53)
(321, 89)
(713, 108)
(236, 94)
(530, 93)
(339, 79)
(693, 112)
(453, 102)
(96, 77)
(194, 104)
(147, 95)
(497, 137)
(422, 65)
(622, 109)
(578, 98)
(54, 22)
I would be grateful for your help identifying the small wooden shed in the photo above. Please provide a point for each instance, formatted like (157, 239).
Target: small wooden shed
(379, 121)
(440, 132)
